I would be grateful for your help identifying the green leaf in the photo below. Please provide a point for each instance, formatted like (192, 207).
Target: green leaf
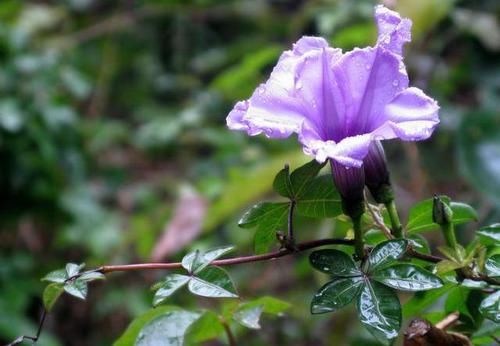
(319, 199)
(420, 216)
(169, 286)
(379, 311)
(130, 335)
(212, 282)
(207, 327)
(302, 176)
(386, 253)
(490, 234)
(446, 266)
(407, 277)
(77, 288)
(168, 329)
(265, 234)
(270, 305)
(195, 261)
(336, 294)
(423, 300)
(282, 183)
(72, 269)
(51, 294)
(334, 262)
(249, 317)
(492, 266)
(92, 276)
(457, 301)
(57, 276)
(263, 213)
(490, 307)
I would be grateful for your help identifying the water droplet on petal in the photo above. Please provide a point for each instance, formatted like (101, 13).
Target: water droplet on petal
(298, 85)
(395, 82)
(261, 90)
(368, 66)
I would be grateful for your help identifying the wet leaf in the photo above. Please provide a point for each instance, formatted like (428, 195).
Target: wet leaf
(334, 262)
(264, 213)
(319, 199)
(205, 328)
(51, 294)
(386, 253)
(72, 269)
(490, 307)
(195, 261)
(249, 317)
(57, 276)
(407, 277)
(379, 311)
(169, 286)
(270, 305)
(336, 294)
(92, 276)
(77, 288)
(423, 300)
(492, 266)
(490, 234)
(303, 175)
(167, 330)
(212, 282)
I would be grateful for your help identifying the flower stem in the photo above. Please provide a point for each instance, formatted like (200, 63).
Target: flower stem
(359, 246)
(396, 227)
(449, 235)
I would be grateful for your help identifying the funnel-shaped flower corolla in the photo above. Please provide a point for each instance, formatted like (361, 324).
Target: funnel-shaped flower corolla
(339, 103)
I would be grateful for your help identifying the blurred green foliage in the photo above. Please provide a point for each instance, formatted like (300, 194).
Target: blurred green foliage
(108, 107)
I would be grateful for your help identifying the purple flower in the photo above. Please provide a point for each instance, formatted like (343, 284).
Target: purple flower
(339, 103)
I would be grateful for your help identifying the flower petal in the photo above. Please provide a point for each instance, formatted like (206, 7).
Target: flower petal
(393, 31)
(273, 108)
(412, 114)
(370, 78)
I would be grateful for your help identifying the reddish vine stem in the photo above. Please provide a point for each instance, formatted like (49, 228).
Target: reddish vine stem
(230, 261)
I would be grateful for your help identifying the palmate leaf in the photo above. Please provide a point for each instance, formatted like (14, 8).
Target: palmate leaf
(319, 199)
(490, 235)
(420, 216)
(269, 218)
(334, 262)
(168, 329)
(212, 282)
(263, 212)
(303, 175)
(249, 317)
(386, 254)
(282, 184)
(336, 294)
(51, 294)
(169, 286)
(407, 277)
(490, 307)
(172, 314)
(196, 261)
(77, 288)
(379, 311)
(492, 266)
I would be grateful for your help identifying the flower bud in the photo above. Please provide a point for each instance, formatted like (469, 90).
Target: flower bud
(441, 212)
(350, 182)
(377, 175)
